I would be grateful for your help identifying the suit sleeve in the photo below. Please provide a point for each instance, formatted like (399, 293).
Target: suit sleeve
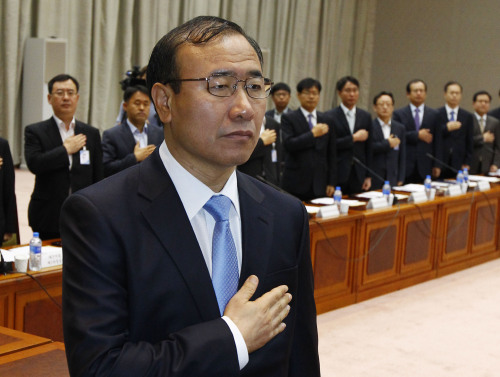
(496, 145)
(9, 195)
(468, 140)
(402, 156)
(96, 316)
(304, 359)
(292, 141)
(98, 169)
(112, 163)
(38, 159)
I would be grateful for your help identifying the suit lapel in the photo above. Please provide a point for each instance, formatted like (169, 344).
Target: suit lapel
(342, 120)
(257, 227)
(168, 220)
(127, 136)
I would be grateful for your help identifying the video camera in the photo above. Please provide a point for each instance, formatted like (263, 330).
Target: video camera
(133, 78)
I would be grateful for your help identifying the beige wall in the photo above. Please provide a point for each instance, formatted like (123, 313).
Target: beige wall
(438, 41)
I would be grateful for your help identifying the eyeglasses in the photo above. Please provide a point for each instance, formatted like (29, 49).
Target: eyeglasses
(61, 93)
(225, 85)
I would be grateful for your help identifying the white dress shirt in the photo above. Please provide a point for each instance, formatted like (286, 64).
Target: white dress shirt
(194, 194)
(141, 137)
(66, 133)
(449, 110)
(350, 116)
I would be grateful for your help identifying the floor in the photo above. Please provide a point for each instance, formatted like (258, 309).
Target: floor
(444, 327)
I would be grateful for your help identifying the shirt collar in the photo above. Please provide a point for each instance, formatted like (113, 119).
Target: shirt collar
(479, 117)
(382, 122)
(346, 110)
(449, 110)
(306, 113)
(61, 124)
(192, 192)
(420, 108)
(134, 128)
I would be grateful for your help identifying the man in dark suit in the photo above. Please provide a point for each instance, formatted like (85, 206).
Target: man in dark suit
(495, 112)
(486, 154)
(142, 269)
(457, 129)
(64, 154)
(352, 130)
(422, 138)
(309, 167)
(265, 160)
(389, 146)
(132, 141)
(8, 207)
(280, 94)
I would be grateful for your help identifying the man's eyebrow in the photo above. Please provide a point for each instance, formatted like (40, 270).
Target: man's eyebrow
(253, 73)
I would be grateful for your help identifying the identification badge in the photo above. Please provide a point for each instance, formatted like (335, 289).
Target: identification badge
(84, 157)
(274, 155)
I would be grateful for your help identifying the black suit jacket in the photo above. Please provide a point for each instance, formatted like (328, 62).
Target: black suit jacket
(485, 154)
(47, 158)
(118, 145)
(8, 206)
(270, 113)
(495, 113)
(346, 149)
(137, 294)
(389, 163)
(457, 145)
(309, 161)
(416, 149)
(260, 162)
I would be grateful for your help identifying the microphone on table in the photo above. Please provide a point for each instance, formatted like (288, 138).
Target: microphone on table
(357, 161)
(262, 179)
(442, 163)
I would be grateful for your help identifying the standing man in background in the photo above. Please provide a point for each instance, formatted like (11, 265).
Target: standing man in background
(265, 161)
(280, 94)
(64, 154)
(134, 139)
(486, 154)
(8, 205)
(352, 130)
(181, 265)
(457, 130)
(389, 144)
(422, 138)
(309, 167)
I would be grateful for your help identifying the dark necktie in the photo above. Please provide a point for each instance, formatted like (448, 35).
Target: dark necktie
(417, 119)
(309, 116)
(225, 273)
(452, 116)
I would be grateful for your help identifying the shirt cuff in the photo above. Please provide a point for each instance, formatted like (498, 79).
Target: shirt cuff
(241, 346)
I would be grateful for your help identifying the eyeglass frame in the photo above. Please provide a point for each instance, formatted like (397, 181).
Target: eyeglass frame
(70, 93)
(207, 79)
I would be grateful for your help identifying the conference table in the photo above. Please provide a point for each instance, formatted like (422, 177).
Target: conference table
(23, 354)
(357, 256)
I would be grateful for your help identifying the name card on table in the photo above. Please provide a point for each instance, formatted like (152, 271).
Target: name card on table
(418, 197)
(453, 190)
(482, 186)
(376, 203)
(328, 211)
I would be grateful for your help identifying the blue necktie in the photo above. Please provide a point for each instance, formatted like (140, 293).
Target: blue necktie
(417, 119)
(310, 121)
(225, 273)
(452, 116)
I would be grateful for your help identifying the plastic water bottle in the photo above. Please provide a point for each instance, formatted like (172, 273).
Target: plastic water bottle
(386, 191)
(337, 196)
(428, 186)
(465, 185)
(35, 252)
(466, 176)
(460, 180)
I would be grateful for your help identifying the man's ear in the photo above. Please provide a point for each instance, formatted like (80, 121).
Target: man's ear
(162, 98)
